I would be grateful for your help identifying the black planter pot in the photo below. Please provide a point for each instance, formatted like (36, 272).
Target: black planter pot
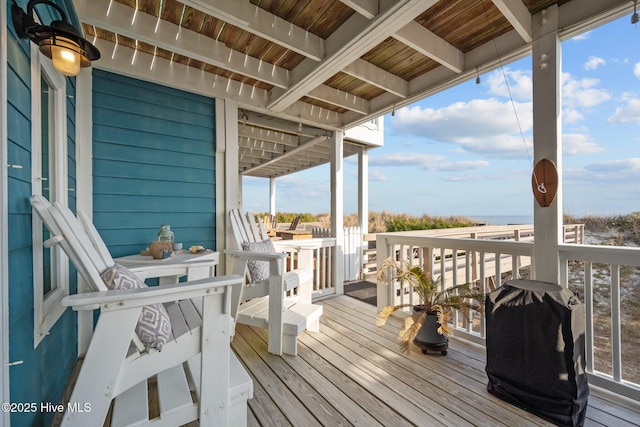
(428, 338)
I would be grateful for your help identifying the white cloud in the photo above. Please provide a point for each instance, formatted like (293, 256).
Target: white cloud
(577, 143)
(489, 127)
(627, 113)
(593, 63)
(429, 162)
(636, 70)
(376, 175)
(483, 126)
(571, 115)
(582, 93)
(621, 170)
(463, 165)
(404, 159)
(581, 37)
(520, 84)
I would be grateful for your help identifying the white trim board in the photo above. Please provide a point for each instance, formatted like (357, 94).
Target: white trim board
(4, 227)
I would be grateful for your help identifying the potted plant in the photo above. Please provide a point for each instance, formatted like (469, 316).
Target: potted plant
(428, 327)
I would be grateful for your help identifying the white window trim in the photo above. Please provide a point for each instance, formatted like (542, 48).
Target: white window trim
(47, 310)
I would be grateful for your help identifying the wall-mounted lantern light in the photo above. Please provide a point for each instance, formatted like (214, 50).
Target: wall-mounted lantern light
(59, 40)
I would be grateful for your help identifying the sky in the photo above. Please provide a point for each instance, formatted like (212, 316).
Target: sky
(461, 152)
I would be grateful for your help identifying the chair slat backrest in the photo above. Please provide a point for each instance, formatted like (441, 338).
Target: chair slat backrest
(77, 246)
(295, 222)
(239, 232)
(95, 238)
(246, 228)
(262, 231)
(42, 208)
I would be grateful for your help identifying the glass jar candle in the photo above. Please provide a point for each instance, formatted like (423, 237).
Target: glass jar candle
(165, 234)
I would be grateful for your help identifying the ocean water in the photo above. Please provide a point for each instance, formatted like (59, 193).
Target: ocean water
(503, 219)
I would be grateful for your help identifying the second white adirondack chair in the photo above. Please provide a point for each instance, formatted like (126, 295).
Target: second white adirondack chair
(263, 304)
(196, 361)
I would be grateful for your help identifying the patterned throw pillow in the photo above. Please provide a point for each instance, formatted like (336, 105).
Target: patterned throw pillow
(154, 326)
(259, 270)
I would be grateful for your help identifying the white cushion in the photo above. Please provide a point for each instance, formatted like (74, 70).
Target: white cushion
(154, 326)
(259, 270)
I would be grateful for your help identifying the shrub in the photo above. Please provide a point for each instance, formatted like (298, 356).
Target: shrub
(426, 222)
(288, 217)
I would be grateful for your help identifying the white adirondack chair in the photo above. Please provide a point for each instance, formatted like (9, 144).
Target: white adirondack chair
(265, 304)
(197, 361)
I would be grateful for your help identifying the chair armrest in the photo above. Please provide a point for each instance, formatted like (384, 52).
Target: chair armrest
(258, 256)
(127, 298)
(158, 271)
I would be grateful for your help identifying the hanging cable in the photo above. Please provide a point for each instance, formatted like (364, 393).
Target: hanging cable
(540, 186)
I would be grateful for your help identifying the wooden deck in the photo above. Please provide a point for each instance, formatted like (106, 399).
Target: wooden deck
(352, 373)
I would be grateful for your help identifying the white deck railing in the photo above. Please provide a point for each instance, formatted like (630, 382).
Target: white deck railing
(486, 263)
(596, 271)
(316, 253)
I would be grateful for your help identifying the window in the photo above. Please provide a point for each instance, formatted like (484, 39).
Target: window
(49, 179)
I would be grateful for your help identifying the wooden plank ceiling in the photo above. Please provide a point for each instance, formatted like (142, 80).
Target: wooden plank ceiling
(301, 69)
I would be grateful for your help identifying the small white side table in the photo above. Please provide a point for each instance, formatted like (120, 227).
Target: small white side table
(169, 270)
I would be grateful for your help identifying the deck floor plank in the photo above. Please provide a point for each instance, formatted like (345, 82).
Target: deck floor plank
(355, 369)
(470, 387)
(300, 386)
(435, 385)
(327, 382)
(272, 403)
(359, 400)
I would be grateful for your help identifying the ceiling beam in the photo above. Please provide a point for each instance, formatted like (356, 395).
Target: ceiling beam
(353, 39)
(259, 145)
(286, 155)
(340, 98)
(251, 18)
(289, 128)
(378, 77)
(168, 36)
(418, 38)
(367, 8)
(518, 16)
(427, 43)
(269, 135)
(578, 17)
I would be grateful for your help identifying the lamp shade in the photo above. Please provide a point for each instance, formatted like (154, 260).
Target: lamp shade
(59, 41)
(64, 55)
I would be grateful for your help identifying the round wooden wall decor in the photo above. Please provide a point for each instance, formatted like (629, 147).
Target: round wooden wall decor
(544, 182)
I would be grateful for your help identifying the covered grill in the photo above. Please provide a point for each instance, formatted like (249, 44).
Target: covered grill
(535, 350)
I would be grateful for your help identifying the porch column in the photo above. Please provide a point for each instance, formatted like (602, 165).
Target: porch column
(272, 195)
(228, 178)
(363, 190)
(337, 209)
(547, 140)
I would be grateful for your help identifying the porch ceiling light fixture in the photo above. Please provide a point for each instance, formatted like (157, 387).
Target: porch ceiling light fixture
(59, 40)
(635, 17)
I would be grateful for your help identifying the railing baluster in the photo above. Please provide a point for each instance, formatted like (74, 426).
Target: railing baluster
(497, 278)
(616, 339)
(588, 307)
(483, 277)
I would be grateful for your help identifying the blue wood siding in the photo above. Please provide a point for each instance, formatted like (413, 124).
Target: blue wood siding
(45, 370)
(153, 163)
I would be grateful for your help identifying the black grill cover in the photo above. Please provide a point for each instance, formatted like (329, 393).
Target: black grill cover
(535, 350)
